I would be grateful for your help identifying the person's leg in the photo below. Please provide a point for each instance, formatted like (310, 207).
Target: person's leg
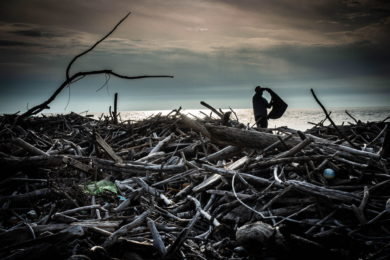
(258, 120)
(263, 122)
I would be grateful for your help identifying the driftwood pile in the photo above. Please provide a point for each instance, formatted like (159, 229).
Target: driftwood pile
(191, 188)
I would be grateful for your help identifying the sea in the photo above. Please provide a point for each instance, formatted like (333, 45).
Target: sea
(299, 119)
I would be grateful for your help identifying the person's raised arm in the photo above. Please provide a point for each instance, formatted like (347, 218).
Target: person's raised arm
(269, 105)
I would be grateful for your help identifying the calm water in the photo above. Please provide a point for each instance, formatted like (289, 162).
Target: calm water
(293, 118)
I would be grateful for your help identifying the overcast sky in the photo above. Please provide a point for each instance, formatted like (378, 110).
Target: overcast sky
(217, 51)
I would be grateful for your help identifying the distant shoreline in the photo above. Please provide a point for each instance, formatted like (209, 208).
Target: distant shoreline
(205, 109)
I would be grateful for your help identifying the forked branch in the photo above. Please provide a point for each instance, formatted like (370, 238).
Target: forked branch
(93, 46)
(79, 75)
(341, 135)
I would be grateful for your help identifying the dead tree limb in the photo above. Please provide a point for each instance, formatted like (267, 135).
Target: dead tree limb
(93, 46)
(331, 121)
(115, 113)
(212, 109)
(79, 75)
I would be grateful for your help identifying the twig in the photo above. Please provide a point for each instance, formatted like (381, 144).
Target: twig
(158, 243)
(331, 121)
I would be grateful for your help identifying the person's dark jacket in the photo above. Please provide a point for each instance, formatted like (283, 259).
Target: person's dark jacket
(260, 105)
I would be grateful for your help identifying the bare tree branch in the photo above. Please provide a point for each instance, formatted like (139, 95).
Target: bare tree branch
(93, 46)
(79, 75)
(331, 121)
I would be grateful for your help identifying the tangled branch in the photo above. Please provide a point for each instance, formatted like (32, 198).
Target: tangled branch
(79, 75)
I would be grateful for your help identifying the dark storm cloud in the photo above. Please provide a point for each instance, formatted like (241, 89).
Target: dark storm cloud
(6, 43)
(361, 58)
(87, 15)
(36, 33)
(331, 13)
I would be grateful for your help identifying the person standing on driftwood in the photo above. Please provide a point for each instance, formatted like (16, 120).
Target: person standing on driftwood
(260, 105)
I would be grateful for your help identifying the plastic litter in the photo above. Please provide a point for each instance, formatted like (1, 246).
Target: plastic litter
(99, 187)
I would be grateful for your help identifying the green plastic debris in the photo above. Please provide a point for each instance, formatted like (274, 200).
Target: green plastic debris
(97, 188)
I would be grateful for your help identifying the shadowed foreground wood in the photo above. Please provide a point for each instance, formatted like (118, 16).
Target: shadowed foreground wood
(176, 188)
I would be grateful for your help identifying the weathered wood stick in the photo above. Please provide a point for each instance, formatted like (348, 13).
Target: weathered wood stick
(124, 229)
(158, 243)
(29, 195)
(269, 203)
(151, 156)
(277, 143)
(185, 191)
(64, 218)
(224, 153)
(110, 225)
(58, 160)
(115, 113)
(182, 236)
(153, 191)
(28, 147)
(161, 144)
(205, 214)
(108, 148)
(288, 160)
(295, 149)
(355, 151)
(71, 211)
(100, 231)
(229, 194)
(294, 214)
(212, 109)
(320, 222)
(246, 176)
(360, 165)
(136, 168)
(214, 178)
(316, 190)
(331, 121)
(378, 136)
(353, 118)
(175, 177)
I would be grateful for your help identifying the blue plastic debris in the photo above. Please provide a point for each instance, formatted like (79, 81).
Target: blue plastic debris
(329, 173)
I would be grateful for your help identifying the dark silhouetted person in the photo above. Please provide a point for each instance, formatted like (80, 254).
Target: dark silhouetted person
(260, 105)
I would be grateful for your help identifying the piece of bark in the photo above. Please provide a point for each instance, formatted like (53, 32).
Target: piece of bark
(106, 147)
(78, 165)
